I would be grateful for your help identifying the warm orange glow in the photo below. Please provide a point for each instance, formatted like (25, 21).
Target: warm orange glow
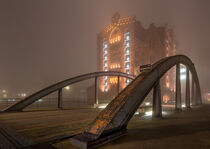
(167, 84)
(165, 98)
(113, 80)
(114, 66)
(167, 81)
(115, 39)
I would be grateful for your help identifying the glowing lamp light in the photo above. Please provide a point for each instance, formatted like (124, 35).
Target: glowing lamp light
(67, 88)
(147, 103)
(23, 94)
(183, 77)
(183, 106)
(102, 106)
(182, 70)
(11, 100)
(40, 100)
(149, 113)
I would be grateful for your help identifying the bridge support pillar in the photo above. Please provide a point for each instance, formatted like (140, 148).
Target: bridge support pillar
(157, 108)
(178, 88)
(118, 84)
(198, 100)
(60, 99)
(187, 101)
(96, 90)
(193, 91)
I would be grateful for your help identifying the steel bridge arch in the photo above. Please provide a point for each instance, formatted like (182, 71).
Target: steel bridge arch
(119, 111)
(18, 106)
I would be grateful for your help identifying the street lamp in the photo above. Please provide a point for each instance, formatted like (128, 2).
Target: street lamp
(67, 88)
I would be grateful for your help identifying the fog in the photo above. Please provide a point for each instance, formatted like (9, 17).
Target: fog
(46, 41)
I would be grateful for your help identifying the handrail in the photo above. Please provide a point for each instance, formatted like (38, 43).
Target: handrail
(18, 106)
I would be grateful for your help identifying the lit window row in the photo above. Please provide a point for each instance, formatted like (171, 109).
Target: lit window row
(115, 39)
(114, 66)
(127, 44)
(127, 36)
(127, 51)
(127, 58)
(105, 65)
(127, 55)
(127, 81)
(127, 66)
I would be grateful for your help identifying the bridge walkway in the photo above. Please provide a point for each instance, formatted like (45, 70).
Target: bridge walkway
(187, 129)
(41, 126)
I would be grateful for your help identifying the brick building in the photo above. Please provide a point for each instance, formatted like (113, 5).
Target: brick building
(125, 44)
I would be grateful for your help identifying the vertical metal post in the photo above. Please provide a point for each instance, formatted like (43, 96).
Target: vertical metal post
(178, 88)
(60, 99)
(193, 91)
(157, 107)
(187, 101)
(118, 84)
(96, 90)
(198, 99)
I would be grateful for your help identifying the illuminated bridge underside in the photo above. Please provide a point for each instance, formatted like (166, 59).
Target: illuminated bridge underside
(117, 114)
(58, 86)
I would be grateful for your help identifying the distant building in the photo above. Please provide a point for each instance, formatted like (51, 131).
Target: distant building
(125, 44)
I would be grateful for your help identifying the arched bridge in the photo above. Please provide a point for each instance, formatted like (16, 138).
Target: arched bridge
(18, 106)
(113, 120)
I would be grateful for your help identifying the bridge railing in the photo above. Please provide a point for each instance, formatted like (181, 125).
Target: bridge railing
(83, 90)
(5, 102)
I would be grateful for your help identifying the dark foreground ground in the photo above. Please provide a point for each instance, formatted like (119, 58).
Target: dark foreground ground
(188, 129)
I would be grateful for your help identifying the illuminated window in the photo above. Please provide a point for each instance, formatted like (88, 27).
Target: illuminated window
(105, 57)
(113, 80)
(127, 44)
(105, 45)
(127, 65)
(105, 51)
(127, 51)
(127, 81)
(105, 83)
(127, 58)
(105, 64)
(105, 89)
(127, 71)
(127, 37)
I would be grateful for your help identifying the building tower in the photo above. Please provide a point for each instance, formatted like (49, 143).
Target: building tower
(124, 45)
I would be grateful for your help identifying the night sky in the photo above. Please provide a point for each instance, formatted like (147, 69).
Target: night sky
(46, 41)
